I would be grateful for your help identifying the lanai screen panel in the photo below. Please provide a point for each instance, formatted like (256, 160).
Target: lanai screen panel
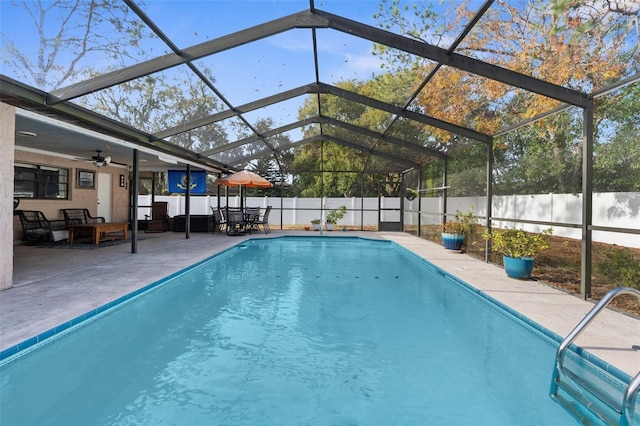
(226, 149)
(476, 102)
(583, 46)
(354, 63)
(157, 102)
(539, 158)
(277, 115)
(264, 67)
(364, 141)
(414, 132)
(192, 22)
(77, 42)
(354, 112)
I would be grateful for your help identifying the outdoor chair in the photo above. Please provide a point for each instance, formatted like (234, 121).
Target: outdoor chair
(36, 227)
(264, 221)
(235, 221)
(80, 216)
(251, 217)
(159, 219)
(219, 218)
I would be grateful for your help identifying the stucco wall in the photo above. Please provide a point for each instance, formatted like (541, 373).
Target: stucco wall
(78, 197)
(7, 132)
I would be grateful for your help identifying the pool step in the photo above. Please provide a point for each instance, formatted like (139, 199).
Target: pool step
(582, 390)
(591, 404)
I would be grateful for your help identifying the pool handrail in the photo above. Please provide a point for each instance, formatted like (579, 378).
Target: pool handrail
(628, 401)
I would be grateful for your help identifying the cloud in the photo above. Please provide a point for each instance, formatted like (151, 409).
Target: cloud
(363, 64)
(294, 40)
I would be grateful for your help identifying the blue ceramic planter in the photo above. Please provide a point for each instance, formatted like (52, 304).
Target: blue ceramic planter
(518, 267)
(452, 241)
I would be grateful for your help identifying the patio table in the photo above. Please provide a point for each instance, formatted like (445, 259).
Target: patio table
(97, 229)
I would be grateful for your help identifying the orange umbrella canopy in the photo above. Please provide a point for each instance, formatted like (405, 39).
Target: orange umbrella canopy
(244, 178)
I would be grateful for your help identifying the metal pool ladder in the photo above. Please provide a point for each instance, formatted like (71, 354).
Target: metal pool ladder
(606, 406)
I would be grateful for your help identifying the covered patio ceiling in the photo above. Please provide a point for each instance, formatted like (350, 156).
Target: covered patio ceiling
(272, 69)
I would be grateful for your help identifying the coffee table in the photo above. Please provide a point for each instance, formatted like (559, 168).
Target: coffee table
(97, 229)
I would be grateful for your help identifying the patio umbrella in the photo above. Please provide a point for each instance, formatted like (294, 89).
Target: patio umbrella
(244, 178)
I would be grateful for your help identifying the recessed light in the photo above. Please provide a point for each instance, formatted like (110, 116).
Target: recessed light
(25, 133)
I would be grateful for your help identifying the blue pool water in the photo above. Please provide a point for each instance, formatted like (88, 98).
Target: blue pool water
(317, 331)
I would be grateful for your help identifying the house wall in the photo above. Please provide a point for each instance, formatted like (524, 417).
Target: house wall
(78, 197)
(7, 132)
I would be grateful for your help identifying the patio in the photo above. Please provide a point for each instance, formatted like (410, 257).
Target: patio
(49, 290)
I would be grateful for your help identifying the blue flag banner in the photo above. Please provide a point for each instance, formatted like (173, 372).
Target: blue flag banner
(178, 181)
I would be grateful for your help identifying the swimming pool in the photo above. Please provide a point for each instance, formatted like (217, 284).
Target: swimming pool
(292, 331)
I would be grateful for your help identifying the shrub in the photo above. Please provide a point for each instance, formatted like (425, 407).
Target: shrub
(622, 267)
(334, 215)
(517, 242)
(462, 224)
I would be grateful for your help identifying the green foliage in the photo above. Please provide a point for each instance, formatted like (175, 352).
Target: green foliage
(315, 221)
(462, 225)
(518, 243)
(334, 215)
(621, 267)
(332, 169)
(467, 172)
(541, 158)
(616, 167)
(557, 42)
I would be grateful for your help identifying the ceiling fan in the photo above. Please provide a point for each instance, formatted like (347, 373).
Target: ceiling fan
(98, 160)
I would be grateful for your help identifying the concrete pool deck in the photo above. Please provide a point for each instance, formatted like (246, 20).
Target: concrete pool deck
(53, 286)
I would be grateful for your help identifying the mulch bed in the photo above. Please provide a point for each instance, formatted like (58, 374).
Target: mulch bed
(559, 267)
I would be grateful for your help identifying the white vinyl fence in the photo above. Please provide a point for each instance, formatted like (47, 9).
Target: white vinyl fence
(610, 209)
(615, 210)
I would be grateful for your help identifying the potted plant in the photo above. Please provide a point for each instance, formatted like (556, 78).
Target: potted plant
(334, 215)
(455, 231)
(315, 224)
(519, 249)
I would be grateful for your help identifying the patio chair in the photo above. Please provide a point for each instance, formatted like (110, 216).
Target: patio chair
(251, 216)
(36, 227)
(159, 219)
(235, 221)
(264, 221)
(80, 216)
(219, 218)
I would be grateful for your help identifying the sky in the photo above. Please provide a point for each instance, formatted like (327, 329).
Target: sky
(192, 22)
(242, 74)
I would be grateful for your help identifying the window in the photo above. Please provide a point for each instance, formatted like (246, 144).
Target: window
(40, 182)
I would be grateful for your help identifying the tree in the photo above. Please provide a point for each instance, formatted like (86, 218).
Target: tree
(161, 101)
(584, 45)
(616, 165)
(73, 32)
(337, 170)
(77, 32)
